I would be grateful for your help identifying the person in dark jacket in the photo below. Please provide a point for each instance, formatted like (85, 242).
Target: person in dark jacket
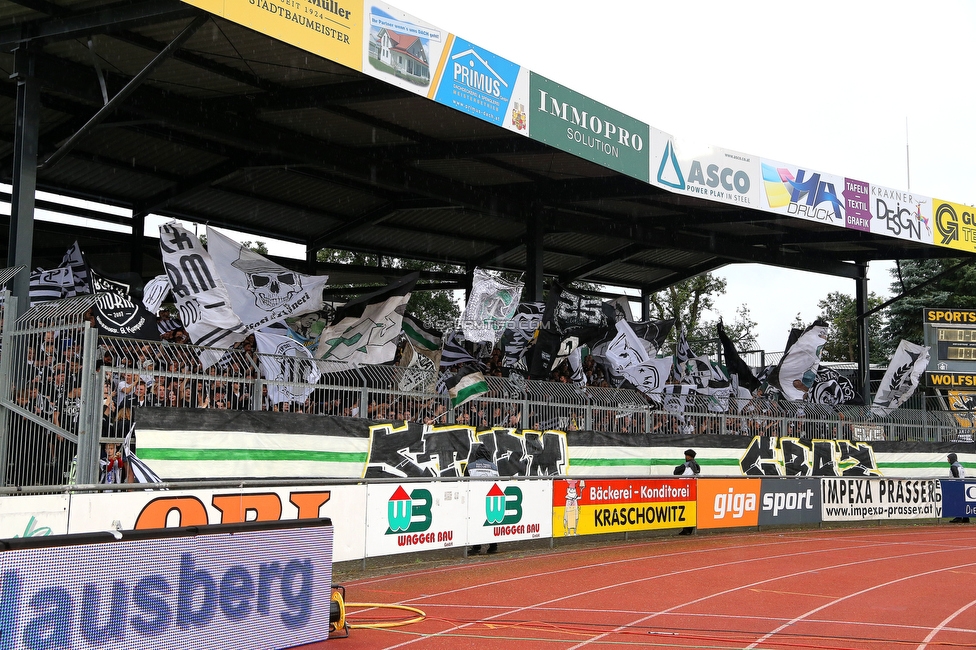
(481, 466)
(689, 468)
(956, 470)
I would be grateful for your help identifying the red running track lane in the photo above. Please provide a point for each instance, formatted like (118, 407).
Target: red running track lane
(891, 587)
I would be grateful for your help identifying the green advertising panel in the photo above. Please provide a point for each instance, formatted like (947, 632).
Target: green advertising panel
(578, 125)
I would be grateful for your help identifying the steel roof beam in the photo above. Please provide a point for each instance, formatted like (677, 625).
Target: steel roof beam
(122, 15)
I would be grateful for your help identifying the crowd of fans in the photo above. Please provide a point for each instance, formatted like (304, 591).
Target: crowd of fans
(170, 373)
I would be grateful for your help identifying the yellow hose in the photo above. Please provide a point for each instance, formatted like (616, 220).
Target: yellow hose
(373, 626)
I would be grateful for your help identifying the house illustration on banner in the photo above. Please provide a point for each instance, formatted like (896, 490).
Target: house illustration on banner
(406, 54)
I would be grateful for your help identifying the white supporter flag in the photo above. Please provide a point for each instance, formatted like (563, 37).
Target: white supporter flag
(285, 360)
(490, 307)
(626, 349)
(798, 367)
(261, 291)
(366, 328)
(201, 298)
(154, 292)
(649, 376)
(901, 378)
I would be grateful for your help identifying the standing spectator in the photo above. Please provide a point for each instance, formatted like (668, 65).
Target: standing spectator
(482, 465)
(956, 470)
(688, 468)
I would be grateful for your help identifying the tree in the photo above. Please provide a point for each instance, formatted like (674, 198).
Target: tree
(840, 312)
(955, 290)
(689, 300)
(436, 307)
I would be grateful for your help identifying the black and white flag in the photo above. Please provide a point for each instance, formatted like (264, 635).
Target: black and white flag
(797, 370)
(261, 291)
(626, 349)
(365, 330)
(454, 353)
(116, 313)
(520, 332)
(490, 307)
(288, 367)
(201, 298)
(901, 378)
(74, 259)
(154, 293)
(682, 352)
(737, 367)
(51, 284)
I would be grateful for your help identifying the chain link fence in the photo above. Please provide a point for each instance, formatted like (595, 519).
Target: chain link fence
(64, 394)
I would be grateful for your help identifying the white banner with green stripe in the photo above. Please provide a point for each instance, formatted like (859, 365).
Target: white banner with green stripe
(200, 444)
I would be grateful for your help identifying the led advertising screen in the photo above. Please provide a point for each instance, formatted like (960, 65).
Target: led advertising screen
(246, 586)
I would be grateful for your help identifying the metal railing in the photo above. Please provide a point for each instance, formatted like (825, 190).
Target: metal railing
(58, 383)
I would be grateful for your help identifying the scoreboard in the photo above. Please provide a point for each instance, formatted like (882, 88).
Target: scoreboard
(951, 335)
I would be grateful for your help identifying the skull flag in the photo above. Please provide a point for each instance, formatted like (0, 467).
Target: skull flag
(262, 292)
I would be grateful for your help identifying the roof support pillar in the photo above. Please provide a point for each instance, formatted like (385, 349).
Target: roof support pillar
(645, 304)
(863, 334)
(26, 134)
(135, 250)
(534, 252)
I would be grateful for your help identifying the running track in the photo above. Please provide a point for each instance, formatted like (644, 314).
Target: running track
(891, 587)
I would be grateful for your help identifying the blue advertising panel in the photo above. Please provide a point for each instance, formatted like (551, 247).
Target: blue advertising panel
(480, 83)
(958, 498)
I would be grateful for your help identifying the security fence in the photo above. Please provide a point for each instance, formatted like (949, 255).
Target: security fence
(63, 390)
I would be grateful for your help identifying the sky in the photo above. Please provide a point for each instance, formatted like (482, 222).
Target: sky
(879, 91)
(839, 87)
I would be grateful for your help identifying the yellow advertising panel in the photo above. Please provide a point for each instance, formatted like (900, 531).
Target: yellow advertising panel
(595, 507)
(332, 29)
(955, 225)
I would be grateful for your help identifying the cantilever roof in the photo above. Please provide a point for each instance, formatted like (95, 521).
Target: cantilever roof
(242, 131)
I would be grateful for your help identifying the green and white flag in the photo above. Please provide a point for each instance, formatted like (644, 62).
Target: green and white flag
(490, 307)
(420, 335)
(466, 384)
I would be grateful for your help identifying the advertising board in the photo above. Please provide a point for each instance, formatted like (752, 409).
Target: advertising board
(586, 128)
(411, 517)
(593, 507)
(344, 504)
(728, 503)
(508, 511)
(328, 28)
(36, 515)
(958, 498)
(202, 591)
(844, 499)
(789, 501)
(483, 84)
(704, 171)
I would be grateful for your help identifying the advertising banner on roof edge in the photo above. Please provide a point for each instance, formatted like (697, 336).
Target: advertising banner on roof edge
(576, 124)
(704, 171)
(401, 49)
(328, 28)
(955, 225)
(803, 193)
(901, 214)
(482, 84)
